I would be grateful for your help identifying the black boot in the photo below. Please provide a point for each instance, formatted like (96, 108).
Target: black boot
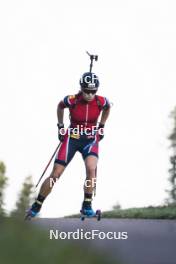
(35, 208)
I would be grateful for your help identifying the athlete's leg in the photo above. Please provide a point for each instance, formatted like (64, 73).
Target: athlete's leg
(46, 189)
(90, 155)
(89, 185)
(91, 165)
(63, 157)
(49, 182)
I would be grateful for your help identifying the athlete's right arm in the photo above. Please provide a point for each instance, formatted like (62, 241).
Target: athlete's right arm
(67, 102)
(60, 118)
(60, 114)
(60, 109)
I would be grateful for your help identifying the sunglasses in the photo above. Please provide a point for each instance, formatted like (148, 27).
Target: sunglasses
(89, 91)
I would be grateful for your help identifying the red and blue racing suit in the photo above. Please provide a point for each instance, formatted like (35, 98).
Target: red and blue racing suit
(83, 116)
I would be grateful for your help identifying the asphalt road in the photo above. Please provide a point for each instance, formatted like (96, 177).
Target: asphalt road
(148, 242)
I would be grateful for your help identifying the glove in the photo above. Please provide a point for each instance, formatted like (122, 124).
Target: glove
(61, 132)
(101, 131)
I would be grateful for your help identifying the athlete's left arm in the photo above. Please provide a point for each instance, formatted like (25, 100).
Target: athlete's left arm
(104, 115)
(105, 111)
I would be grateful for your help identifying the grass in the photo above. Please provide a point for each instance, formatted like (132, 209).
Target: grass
(160, 212)
(21, 242)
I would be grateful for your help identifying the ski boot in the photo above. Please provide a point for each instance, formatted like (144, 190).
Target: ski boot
(88, 212)
(34, 210)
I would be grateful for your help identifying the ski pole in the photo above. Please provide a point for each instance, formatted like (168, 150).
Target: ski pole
(48, 164)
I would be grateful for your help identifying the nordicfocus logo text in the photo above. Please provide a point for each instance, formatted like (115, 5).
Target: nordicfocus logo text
(81, 130)
(88, 183)
(89, 79)
(88, 235)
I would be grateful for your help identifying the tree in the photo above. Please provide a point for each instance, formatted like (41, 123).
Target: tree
(117, 206)
(172, 170)
(3, 184)
(25, 197)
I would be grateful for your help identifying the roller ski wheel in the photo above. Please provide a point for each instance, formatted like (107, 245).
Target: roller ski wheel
(96, 215)
(82, 218)
(30, 215)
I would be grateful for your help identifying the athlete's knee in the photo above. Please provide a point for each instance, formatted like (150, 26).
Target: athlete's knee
(91, 164)
(90, 169)
(57, 171)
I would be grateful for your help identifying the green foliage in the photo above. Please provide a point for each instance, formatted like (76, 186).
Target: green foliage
(25, 197)
(3, 184)
(172, 136)
(117, 206)
(172, 170)
(23, 243)
(160, 212)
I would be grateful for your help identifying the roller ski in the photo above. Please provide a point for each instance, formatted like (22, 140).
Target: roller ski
(88, 212)
(33, 211)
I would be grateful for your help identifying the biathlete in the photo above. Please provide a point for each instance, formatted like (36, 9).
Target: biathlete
(85, 108)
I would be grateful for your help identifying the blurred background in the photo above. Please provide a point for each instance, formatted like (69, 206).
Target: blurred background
(42, 52)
